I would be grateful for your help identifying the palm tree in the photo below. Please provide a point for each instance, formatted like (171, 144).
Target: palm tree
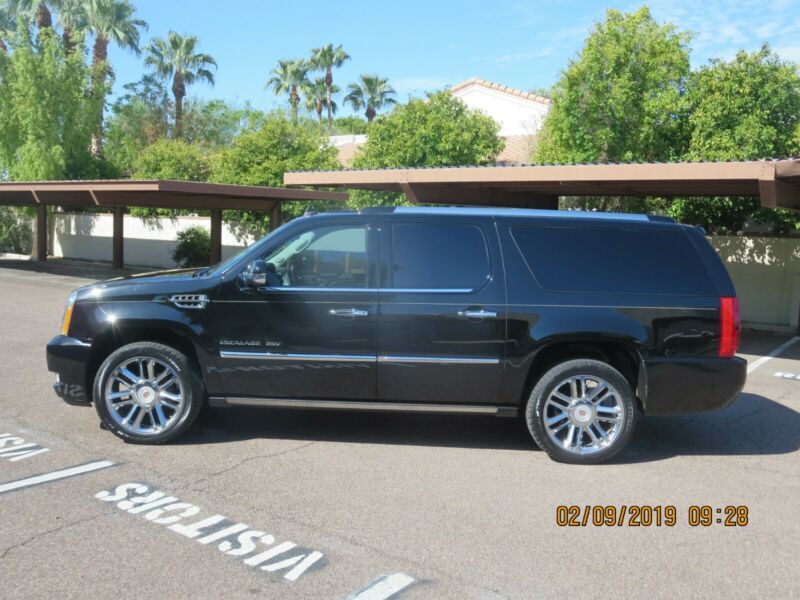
(176, 57)
(326, 59)
(108, 21)
(317, 94)
(72, 18)
(287, 78)
(372, 93)
(34, 9)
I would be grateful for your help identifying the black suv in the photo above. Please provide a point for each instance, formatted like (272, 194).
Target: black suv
(577, 321)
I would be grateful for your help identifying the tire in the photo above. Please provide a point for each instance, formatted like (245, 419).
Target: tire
(162, 385)
(579, 429)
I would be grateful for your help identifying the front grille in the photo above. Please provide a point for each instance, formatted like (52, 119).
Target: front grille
(190, 301)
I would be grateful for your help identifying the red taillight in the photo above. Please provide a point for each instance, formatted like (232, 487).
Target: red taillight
(730, 326)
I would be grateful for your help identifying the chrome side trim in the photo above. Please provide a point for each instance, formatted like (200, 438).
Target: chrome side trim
(370, 290)
(355, 405)
(439, 360)
(297, 357)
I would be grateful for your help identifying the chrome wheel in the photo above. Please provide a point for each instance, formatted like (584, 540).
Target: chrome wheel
(583, 414)
(144, 395)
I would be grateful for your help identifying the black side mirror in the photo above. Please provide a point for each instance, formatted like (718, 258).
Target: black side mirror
(255, 275)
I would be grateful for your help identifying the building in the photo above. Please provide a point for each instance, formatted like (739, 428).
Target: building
(520, 115)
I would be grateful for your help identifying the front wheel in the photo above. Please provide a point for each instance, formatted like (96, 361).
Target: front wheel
(581, 412)
(147, 393)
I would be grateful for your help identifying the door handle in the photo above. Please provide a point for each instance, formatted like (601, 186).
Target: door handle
(477, 314)
(350, 313)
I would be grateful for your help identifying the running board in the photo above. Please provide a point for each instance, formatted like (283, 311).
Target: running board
(483, 409)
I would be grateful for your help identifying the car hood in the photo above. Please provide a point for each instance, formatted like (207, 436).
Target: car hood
(147, 286)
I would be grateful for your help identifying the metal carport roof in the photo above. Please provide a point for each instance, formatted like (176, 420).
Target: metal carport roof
(775, 182)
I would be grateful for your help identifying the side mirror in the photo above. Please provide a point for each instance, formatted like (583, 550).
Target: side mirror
(255, 275)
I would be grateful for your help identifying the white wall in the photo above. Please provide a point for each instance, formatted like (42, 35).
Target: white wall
(766, 273)
(89, 237)
(516, 115)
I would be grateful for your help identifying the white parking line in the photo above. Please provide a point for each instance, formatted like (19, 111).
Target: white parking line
(384, 587)
(54, 475)
(752, 367)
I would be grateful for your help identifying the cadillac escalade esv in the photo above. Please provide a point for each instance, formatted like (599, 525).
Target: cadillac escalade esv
(579, 322)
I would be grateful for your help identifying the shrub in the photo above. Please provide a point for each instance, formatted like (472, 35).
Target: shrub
(193, 248)
(16, 231)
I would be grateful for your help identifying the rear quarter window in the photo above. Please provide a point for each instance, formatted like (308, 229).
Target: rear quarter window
(610, 260)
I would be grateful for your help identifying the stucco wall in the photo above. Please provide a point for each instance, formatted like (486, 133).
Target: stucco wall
(88, 237)
(766, 273)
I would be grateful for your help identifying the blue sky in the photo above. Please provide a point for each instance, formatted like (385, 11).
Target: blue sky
(422, 46)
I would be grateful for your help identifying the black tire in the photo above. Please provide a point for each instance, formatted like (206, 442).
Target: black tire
(534, 413)
(185, 371)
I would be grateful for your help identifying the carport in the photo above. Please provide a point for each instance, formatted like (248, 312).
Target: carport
(775, 182)
(117, 195)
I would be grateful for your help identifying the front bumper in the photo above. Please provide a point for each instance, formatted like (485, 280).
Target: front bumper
(687, 385)
(68, 358)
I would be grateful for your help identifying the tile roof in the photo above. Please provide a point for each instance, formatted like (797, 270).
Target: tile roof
(500, 88)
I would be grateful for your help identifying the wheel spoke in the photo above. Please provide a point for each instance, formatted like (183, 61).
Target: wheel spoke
(616, 419)
(126, 421)
(132, 379)
(607, 409)
(162, 419)
(570, 435)
(603, 433)
(573, 388)
(120, 394)
(559, 396)
(151, 370)
(557, 419)
(592, 435)
(138, 421)
(162, 376)
(597, 393)
(168, 384)
(124, 403)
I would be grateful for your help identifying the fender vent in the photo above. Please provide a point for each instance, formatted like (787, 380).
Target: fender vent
(190, 301)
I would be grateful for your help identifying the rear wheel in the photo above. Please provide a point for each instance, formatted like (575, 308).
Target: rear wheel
(581, 412)
(147, 393)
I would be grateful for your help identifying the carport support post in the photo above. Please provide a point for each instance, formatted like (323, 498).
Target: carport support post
(41, 232)
(216, 236)
(276, 217)
(117, 242)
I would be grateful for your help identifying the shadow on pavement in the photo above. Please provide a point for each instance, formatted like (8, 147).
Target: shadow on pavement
(753, 425)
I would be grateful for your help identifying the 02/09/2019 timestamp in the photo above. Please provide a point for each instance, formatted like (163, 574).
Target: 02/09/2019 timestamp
(646, 515)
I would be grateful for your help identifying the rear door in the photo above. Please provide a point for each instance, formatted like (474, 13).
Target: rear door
(442, 312)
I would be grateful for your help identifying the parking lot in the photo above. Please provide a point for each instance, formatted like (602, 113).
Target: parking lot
(372, 506)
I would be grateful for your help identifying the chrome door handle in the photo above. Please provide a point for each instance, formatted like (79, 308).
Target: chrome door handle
(477, 314)
(350, 313)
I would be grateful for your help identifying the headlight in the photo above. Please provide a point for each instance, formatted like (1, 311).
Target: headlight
(68, 313)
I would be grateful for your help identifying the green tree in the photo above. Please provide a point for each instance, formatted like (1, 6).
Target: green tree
(435, 132)
(620, 100)
(7, 26)
(171, 159)
(371, 93)
(46, 118)
(33, 10)
(139, 117)
(216, 123)
(351, 124)
(109, 21)
(262, 157)
(742, 109)
(326, 58)
(289, 77)
(318, 97)
(176, 57)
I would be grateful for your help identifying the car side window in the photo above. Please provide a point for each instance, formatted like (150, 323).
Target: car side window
(433, 256)
(326, 257)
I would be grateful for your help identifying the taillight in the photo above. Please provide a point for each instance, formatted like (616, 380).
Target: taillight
(730, 326)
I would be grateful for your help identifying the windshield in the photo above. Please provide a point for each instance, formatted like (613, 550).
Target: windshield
(223, 266)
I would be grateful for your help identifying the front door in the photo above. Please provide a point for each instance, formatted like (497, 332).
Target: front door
(310, 331)
(441, 327)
